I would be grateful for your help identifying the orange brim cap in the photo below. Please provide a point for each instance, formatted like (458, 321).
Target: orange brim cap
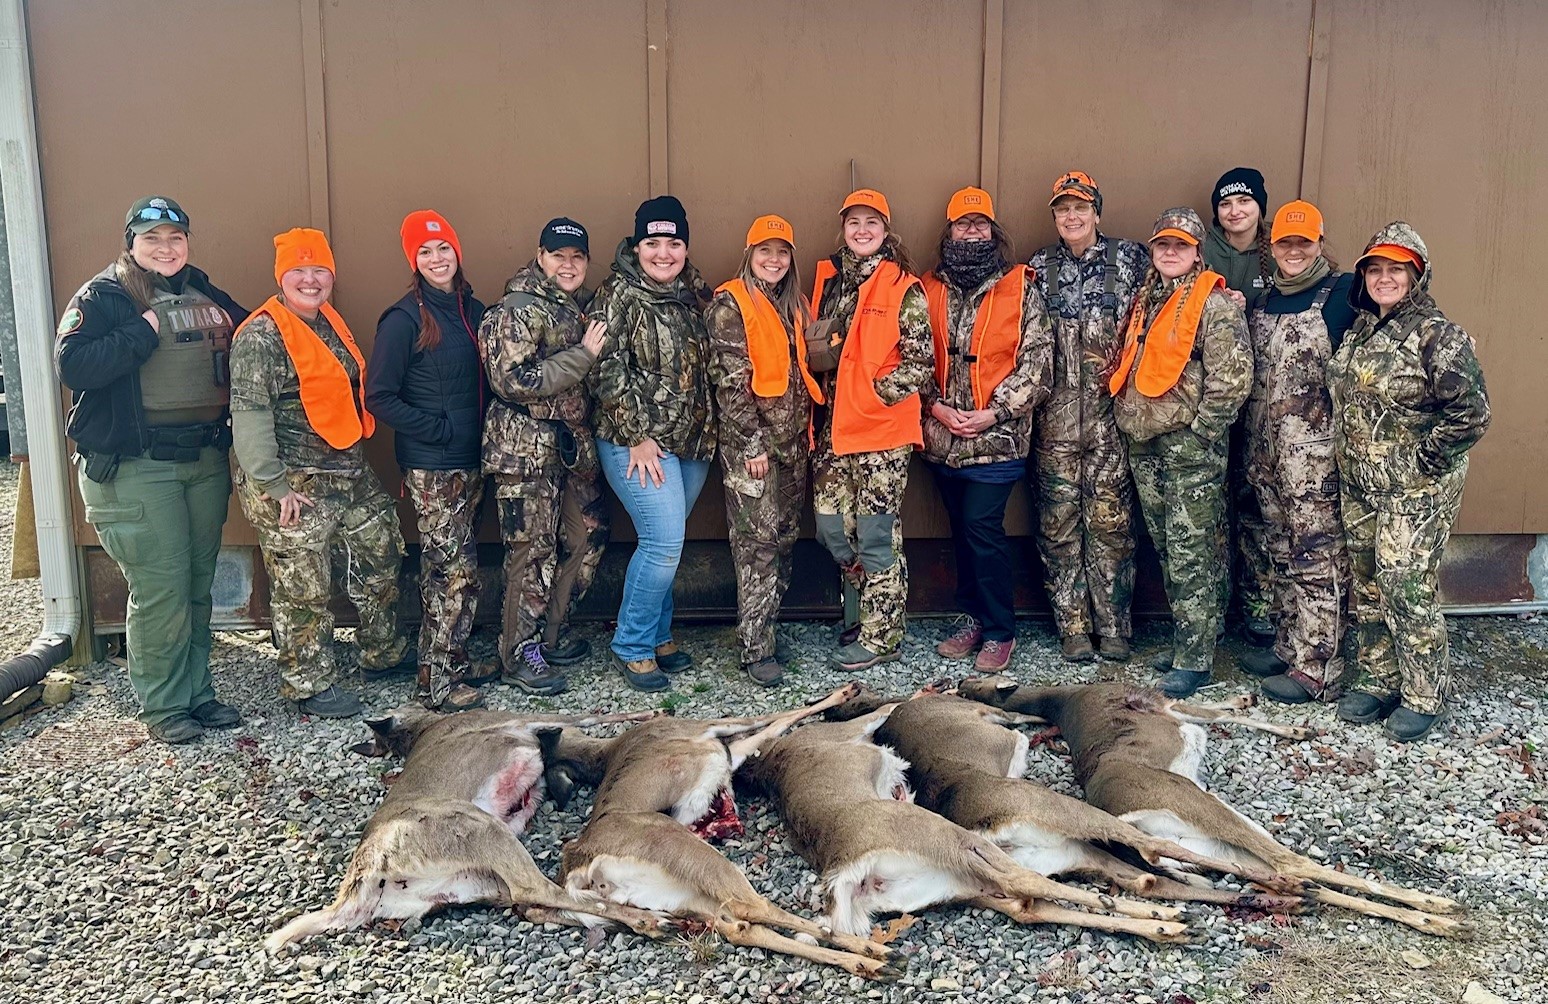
(1181, 235)
(871, 199)
(1076, 183)
(1393, 252)
(770, 228)
(1297, 219)
(966, 202)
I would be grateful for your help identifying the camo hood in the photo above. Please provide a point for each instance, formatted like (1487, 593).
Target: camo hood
(1404, 236)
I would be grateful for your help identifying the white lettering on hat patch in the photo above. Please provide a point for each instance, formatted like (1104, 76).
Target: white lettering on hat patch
(661, 227)
(1235, 188)
(568, 231)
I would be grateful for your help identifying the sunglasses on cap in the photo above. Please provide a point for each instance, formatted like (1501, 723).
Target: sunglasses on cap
(156, 213)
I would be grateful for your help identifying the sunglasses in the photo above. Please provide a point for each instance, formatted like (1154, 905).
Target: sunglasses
(153, 213)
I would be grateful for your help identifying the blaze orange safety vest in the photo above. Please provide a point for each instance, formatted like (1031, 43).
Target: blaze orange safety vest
(1168, 341)
(768, 343)
(862, 422)
(325, 393)
(991, 354)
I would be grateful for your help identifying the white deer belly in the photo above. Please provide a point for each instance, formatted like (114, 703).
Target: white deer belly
(696, 804)
(889, 882)
(632, 882)
(1191, 758)
(1040, 850)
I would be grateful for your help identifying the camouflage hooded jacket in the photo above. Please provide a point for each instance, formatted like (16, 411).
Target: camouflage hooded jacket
(652, 379)
(1408, 393)
(1013, 401)
(1213, 384)
(536, 366)
(750, 424)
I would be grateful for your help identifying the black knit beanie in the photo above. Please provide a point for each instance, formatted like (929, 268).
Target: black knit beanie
(1240, 181)
(662, 216)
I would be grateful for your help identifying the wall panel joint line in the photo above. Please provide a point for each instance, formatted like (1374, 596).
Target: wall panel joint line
(1316, 99)
(318, 198)
(989, 127)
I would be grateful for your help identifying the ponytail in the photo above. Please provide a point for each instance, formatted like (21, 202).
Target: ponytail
(429, 331)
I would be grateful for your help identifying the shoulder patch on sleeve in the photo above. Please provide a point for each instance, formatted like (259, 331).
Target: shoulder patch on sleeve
(71, 320)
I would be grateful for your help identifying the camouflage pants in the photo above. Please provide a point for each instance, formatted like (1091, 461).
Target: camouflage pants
(1085, 534)
(1295, 487)
(763, 528)
(554, 525)
(447, 506)
(1395, 544)
(1180, 479)
(354, 517)
(858, 502)
(1243, 540)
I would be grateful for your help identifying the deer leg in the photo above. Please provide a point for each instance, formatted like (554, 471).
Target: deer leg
(1308, 869)
(768, 915)
(774, 726)
(1241, 702)
(1142, 883)
(1428, 923)
(1199, 715)
(1023, 883)
(1038, 911)
(757, 936)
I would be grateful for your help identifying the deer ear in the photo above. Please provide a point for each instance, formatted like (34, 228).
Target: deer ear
(561, 785)
(371, 748)
(382, 726)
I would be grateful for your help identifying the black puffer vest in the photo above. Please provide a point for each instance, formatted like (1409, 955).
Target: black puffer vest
(445, 383)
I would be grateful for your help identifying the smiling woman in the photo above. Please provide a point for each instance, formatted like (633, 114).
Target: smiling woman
(144, 348)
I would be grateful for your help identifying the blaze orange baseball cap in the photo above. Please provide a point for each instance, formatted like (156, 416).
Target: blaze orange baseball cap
(966, 201)
(1297, 219)
(871, 199)
(1076, 183)
(1393, 252)
(770, 228)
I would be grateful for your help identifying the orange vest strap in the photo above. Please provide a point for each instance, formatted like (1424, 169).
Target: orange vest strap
(326, 396)
(1168, 341)
(996, 337)
(768, 342)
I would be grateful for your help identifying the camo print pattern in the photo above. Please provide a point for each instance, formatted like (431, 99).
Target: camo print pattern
(1395, 545)
(353, 518)
(530, 342)
(1085, 498)
(554, 524)
(1289, 463)
(764, 518)
(749, 424)
(916, 350)
(447, 505)
(856, 499)
(651, 380)
(1180, 479)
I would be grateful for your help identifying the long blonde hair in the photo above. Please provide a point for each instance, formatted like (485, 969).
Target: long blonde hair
(789, 302)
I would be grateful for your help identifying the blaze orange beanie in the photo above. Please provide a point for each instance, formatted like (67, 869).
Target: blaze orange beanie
(423, 226)
(301, 247)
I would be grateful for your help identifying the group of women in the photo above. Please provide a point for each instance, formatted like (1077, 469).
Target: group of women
(1109, 364)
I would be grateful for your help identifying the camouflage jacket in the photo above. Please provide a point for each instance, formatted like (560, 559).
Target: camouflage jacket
(1088, 334)
(266, 398)
(1289, 402)
(748, 424)
(530, 342)
(1013, 401)
(652, 379)
(839, 299)
(1408, 393)
(1213, 384)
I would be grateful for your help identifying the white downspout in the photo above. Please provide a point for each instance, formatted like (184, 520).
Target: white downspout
(21, 175)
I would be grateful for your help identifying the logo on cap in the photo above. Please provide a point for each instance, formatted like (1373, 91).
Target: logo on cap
(661, 227)
(775, 225)
(305, 254)
(159, 203)
(432, 226)
(1235, 188)
(567, 230)
(1295, 217)
(972, 200)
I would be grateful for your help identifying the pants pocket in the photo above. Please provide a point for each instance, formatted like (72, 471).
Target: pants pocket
(126, 536)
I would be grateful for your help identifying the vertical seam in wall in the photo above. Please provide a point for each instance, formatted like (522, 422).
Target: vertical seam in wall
(656, 93)
(1316, 99)
(318, 201)
(989, 127)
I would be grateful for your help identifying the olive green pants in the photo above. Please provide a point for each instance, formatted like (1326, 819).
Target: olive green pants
(161, 521)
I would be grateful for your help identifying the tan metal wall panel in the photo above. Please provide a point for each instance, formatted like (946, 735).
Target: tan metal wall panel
(1154, 100)
(1436, 115)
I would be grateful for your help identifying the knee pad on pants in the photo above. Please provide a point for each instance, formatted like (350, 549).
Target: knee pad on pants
(830, 531)
(875, 533)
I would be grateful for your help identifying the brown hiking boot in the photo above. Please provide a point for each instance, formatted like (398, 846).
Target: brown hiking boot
(1114, 649)
(1077, 648)
(964, 641)
(995, 656)
(765, 672)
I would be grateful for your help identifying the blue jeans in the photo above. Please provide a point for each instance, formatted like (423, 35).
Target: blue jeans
(660, 517)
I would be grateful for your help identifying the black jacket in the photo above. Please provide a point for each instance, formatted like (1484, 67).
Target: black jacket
(103, 341)
(433, 400)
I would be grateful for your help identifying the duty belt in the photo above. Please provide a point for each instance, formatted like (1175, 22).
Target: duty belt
(182, 443)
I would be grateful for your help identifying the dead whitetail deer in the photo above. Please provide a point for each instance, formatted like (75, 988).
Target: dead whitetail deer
(965, 765)
(447, 831)
(1137, 755)
(845, 803)
(659, 787)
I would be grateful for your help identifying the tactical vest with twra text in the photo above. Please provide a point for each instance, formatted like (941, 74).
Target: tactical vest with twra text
(187, 380)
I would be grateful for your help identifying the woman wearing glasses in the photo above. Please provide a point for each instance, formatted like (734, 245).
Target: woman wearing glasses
(143, 346)
(993, 366)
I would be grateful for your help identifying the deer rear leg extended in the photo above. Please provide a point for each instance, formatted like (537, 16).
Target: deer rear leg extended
(1308, 869)
(1203, 714)
(741, 932)
(771, 727)
(1428, 923)
(1039, 911)
(765, 913)
(1142, 883)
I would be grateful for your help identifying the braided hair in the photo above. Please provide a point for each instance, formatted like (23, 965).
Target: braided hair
(429, 331)
(1266, 266)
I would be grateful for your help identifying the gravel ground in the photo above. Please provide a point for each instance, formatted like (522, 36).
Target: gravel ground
(136, 872)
